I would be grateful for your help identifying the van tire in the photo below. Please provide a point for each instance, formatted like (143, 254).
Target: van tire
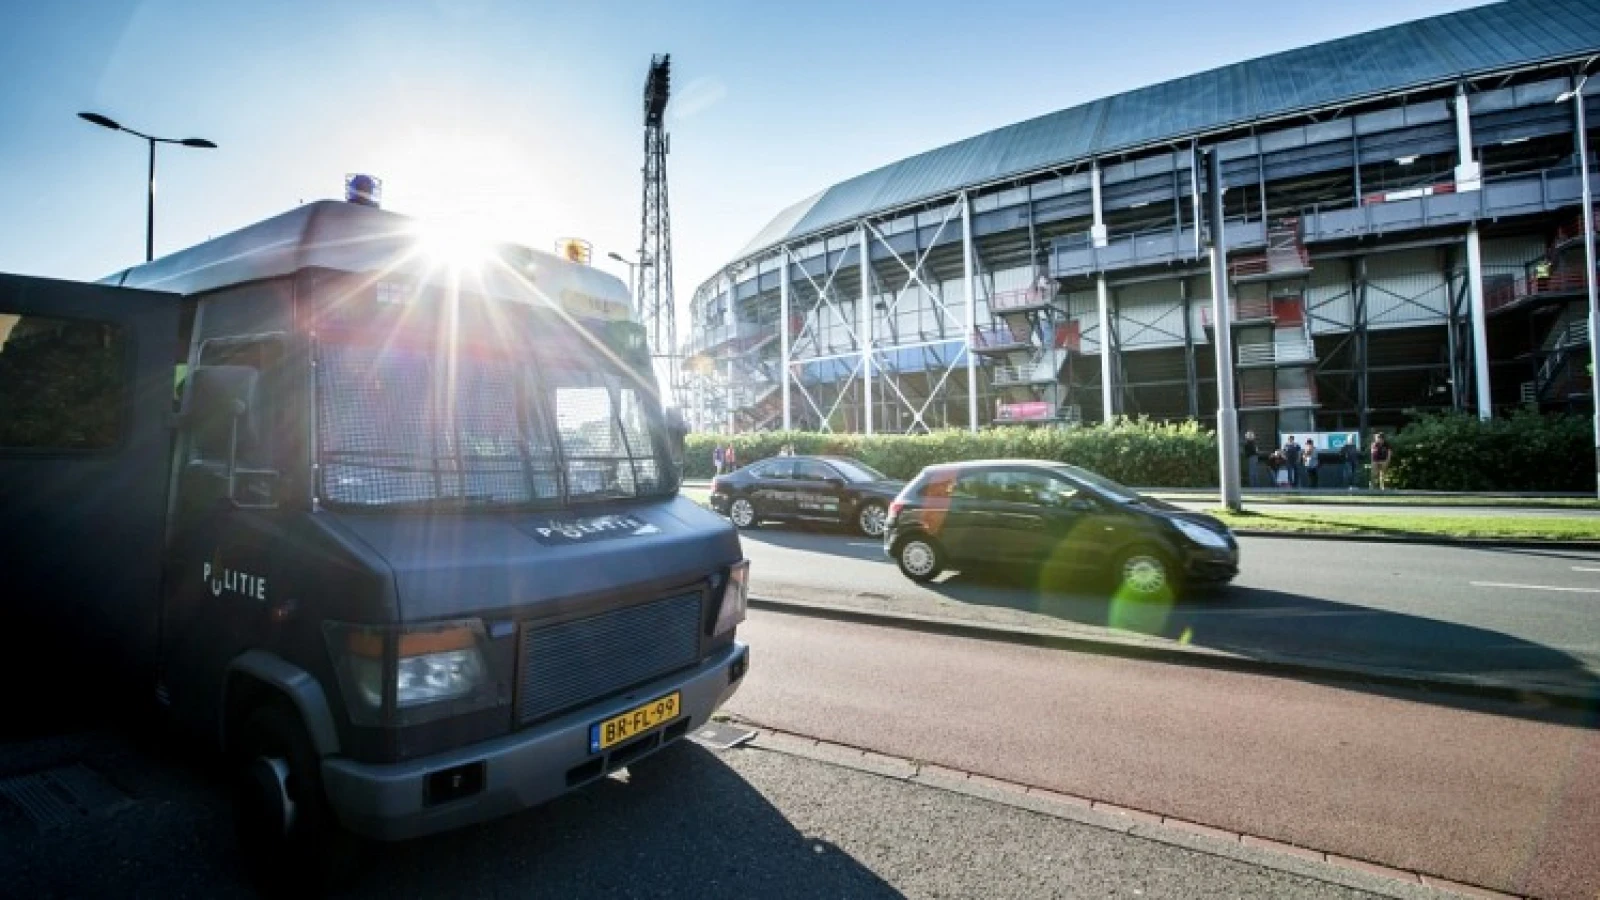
(300, 847)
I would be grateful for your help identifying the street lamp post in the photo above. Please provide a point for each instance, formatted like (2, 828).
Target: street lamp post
(152, 141)
(1576, 95)
(633, 285)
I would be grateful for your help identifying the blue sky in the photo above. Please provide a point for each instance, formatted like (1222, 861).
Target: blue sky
(522, 119)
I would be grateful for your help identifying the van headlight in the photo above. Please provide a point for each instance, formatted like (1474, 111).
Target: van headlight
(735, 598)
(1200, 534)
(424, 668)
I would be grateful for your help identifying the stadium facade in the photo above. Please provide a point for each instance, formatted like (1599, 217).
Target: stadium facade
(1402, 230)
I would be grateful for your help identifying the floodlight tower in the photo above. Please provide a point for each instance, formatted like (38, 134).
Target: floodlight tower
(653, 293)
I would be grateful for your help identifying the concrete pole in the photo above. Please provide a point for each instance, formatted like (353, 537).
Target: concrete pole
(1480, 330)
(865, 328)
(783, 333)
(1222, 314)
(970, 279)
(1098, 236)
(1588, 270)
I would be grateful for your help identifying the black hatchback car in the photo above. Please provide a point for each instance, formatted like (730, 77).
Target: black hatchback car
(1030, 513)
(815, 488)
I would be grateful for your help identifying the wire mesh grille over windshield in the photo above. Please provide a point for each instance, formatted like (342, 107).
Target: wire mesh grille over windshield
(404, 426)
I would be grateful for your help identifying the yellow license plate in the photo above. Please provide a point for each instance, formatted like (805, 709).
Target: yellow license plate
(610, 732)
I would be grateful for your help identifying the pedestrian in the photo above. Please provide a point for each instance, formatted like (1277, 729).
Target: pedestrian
(1311, 463)
(1252, 457)
(717, 459)
(1291, 458)
(1382, 455)
(730, 458)
(1350, 453)
(1280, 468)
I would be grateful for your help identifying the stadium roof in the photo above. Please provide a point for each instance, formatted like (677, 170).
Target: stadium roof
(1407, 56)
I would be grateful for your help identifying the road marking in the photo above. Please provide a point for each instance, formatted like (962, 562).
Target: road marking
(1585, 569)
(1534, 587)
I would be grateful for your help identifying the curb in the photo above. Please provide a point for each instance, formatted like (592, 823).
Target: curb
(1439, 540)
(1237, 846)
(1162, 651)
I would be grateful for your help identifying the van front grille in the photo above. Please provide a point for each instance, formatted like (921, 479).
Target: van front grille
(572, 663)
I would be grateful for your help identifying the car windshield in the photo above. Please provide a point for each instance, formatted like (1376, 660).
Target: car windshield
(1101, 484)
(856, 471)
(405, 427)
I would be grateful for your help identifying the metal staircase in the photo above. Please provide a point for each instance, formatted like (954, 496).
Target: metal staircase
(1030, 342)
(1560, 358)
(1274, 352)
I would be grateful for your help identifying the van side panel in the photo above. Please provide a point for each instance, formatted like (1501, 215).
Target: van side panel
(83, 488)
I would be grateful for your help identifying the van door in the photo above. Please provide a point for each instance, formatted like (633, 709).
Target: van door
(87, 378)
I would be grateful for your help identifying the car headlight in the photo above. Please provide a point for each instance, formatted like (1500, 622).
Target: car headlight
(1200, 534)
(422, 667)
(735, 598)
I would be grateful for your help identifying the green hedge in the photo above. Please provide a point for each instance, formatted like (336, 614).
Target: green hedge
(1135, 452)
(1526, 452)
(1437, 452)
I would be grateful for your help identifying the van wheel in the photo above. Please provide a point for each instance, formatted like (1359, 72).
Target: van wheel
(742, 513)
(920, 558)
(1145, 573)
(288, 836)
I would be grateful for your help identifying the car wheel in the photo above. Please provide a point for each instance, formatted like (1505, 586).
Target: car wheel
(288, 836)
(870, 519)
(742, 513)
(920, 558)
(1145, 573)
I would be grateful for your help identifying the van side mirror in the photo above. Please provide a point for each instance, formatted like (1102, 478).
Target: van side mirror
(677, 433)
(222, 414)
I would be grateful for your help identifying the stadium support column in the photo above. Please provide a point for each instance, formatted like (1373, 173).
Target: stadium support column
(1469, 176)
(1191, 378)
(1480, 330)
(969, 277)
(1097, 234)
(783, 334)
(865, 327)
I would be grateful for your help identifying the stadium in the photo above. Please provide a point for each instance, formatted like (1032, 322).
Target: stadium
(1403, 232)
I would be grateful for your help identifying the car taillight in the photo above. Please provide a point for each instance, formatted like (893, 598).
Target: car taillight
(895, 507)
(715, 483)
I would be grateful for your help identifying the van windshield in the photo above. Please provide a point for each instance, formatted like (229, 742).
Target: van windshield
(403, 427)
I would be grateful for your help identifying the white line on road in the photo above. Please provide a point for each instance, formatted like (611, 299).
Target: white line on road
(1534, 587)
(1585, 569)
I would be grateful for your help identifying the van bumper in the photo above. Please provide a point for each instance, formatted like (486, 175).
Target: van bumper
(390, 802)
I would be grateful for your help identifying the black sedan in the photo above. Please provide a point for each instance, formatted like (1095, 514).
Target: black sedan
(1020, 513)
(812, 488)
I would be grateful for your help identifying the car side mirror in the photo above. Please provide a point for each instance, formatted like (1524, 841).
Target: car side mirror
(222, 415)
(1081, 504)
(834, 481)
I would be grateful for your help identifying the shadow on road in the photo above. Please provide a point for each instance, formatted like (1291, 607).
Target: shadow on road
(685, 825)
(1253, 622)
(1257, 622)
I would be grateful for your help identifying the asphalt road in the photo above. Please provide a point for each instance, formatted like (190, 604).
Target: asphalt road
(688, 823)
(1468, 792)
(1525, 616)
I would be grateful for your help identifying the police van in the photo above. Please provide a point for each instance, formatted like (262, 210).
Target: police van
(392, 520)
